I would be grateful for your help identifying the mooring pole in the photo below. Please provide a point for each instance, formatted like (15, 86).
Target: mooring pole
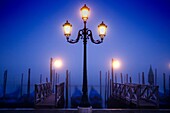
(21, 84)
(164, 84)
(28, 87)
(155, 77)
(121, 78)
(5, 82)
(51, 61)
(143, 78)
(139, 77)
(101, 83)
(40, 78)
(66, 88)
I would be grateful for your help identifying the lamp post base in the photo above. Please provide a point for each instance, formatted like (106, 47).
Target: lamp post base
(84, 109)
(84, 101)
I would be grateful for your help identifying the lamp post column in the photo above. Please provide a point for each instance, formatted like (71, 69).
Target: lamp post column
(84, 99)
(84, 34)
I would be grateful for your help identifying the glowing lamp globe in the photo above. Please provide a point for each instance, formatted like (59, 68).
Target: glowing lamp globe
(58, 63)
(85, 11)
(67, 29)
(116, 64)
(102, 28)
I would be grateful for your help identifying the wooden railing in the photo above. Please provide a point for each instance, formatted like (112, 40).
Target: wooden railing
(59, 95)
(134, 93)
(42, 91)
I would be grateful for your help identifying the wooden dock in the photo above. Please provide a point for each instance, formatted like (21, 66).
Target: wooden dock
(44, 98)
(138, 94)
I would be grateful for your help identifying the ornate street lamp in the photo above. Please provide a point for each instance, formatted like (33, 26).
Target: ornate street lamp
(84, 34)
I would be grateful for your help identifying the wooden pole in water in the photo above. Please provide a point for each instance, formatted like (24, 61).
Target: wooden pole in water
(28, 86)
(130, 79)
(21, 84)
(164, 84)
(101, 83)
(106, 89)
(46, 79)
(115, 78)
(66, 88)
(108, 85)
(139, 77)
(143, 78)
(112, 71)
(69, 86)
(121, 77)
(40, 78)
(124, 78)
(155, 77)
(4, 85)
(56, 77)
(51, 74)
(127, 78)
(169, 85)
(53, 80)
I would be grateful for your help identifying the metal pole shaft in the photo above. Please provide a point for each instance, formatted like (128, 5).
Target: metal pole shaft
(85, 62)
(84, 100)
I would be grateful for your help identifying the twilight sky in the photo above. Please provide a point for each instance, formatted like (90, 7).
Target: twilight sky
(31, 33)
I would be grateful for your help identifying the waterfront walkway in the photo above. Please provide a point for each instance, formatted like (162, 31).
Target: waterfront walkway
(27, 110)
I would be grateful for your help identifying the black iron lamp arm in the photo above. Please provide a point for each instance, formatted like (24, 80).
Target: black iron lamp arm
(77, 39)
(92, 39)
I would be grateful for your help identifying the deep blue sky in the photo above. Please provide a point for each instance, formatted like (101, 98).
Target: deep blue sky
(31, 33)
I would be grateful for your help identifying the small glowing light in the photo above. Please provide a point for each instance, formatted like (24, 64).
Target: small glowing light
(58, 63)
(116, 64)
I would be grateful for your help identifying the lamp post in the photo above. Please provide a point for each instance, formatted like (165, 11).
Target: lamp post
(84, 34)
